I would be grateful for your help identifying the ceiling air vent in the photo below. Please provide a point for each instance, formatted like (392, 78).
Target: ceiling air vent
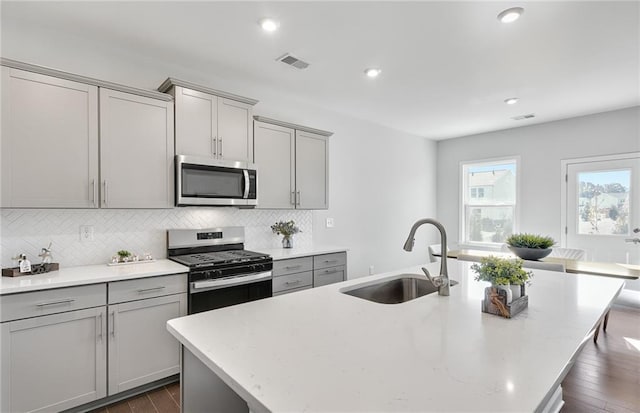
(293, 61)
(528, 116)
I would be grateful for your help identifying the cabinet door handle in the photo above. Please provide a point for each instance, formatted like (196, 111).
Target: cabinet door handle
(146, 290)
(292, 282)
(104, 193)
(214, 146)
(113, 323)
(330, 271)
(100, 327)
(220, 148)
(292, 198)
(69, 301)
(298, 198)
(93, 192)
(292, 267)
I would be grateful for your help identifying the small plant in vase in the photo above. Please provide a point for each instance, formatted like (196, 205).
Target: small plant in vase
(286, 229)
(503, 274)
(124, 256)
(530, 246)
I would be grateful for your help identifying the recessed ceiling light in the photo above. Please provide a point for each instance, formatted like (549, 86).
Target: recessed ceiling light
(510, 15)
(372, 72)
(269, 25)
(511, 101)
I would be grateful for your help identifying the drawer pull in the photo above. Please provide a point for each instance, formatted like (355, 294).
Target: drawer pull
(330, 271)
(329, 261)
(292, 282)
(146, 290)
(292, 267)
(69, 301)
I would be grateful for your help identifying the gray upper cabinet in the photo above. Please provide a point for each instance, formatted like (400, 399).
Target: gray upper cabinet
(211, 123)
(136, 151)
(293, 165)
(312, 157)
(275, 157)
(73, 142)
(49, 141)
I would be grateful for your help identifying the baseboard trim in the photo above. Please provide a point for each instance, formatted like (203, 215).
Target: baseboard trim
(123, 395)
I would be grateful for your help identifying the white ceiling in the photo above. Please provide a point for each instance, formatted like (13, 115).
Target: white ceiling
(447, 66)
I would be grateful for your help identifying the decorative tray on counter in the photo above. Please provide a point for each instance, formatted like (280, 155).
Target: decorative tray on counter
(35, 269)
(130, 262)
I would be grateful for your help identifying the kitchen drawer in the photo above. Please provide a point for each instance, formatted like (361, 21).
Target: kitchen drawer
(293, 290)
(329, 260)
(284, 267)
(291, 281)
(141, 288)
(328, 276)
(59, 300)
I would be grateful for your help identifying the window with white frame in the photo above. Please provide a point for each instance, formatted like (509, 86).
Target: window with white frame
(489, 200)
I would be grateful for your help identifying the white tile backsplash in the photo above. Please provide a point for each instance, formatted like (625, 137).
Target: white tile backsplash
(139, 231)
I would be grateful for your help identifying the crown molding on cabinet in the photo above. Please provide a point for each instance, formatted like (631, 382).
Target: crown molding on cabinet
(292, 126)
(83, 79)
(171, 82)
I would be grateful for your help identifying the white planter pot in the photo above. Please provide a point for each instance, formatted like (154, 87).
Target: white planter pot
(506, 289)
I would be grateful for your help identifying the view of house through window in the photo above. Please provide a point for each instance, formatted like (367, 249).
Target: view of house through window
(603, 202)
(489, 193)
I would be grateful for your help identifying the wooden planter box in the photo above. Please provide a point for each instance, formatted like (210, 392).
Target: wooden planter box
(35, 269)
(495, 302)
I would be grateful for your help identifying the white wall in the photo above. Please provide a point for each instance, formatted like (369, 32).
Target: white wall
(381, 180)
(541, 148)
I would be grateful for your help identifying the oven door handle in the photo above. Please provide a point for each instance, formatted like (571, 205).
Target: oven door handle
(198, 286)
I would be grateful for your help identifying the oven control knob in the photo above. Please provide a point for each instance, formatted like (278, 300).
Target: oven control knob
(216, 273)
(252, 268)
(206, 274)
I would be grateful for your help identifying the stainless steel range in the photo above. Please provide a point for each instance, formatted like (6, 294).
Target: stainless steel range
(222, 272)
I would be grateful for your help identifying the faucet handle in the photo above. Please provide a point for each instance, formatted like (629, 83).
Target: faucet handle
(437, 281)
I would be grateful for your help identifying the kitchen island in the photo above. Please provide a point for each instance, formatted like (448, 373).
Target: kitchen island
(323, 351)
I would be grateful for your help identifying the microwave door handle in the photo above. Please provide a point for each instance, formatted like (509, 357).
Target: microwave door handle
(247, 183)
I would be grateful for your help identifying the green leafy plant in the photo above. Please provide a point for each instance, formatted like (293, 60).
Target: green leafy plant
(501, 271)
(286, 228)
(530, 241)
(124, 253)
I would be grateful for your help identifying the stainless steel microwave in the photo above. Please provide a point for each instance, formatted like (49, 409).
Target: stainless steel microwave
(204, 181)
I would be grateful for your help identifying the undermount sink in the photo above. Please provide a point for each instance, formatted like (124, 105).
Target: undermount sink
(399, 290)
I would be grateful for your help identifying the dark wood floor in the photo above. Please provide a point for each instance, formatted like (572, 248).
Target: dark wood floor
(165, 399)
(605, 378)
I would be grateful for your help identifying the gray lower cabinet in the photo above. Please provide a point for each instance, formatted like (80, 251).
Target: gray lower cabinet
(297, 274)
(329, 268)
(141, 350)
(56, 361)
(59, 346)
(291, 275)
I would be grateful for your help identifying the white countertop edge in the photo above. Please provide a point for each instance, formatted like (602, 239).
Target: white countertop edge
(288, 253)
(88, 274)
(570, 363)
(255, 406)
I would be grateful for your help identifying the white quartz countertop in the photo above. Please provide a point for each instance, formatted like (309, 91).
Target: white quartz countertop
(286, 253)
(88, 274)
(319, 350)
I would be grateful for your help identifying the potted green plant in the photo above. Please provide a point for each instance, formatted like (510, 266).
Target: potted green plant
(286, 229)
(501, 273)
(530, 246)
(124, 255)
